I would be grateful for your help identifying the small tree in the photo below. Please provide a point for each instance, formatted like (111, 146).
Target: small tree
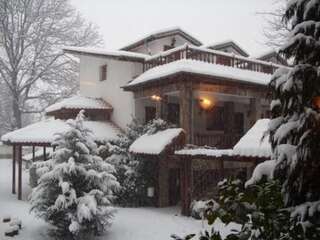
(76, 186)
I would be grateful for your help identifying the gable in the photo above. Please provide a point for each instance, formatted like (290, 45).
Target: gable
(230, 47)
(174, 37)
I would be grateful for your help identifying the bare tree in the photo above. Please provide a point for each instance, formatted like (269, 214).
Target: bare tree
(32, 65)
(275, 30)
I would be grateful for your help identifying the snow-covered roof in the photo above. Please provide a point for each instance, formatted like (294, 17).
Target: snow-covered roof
(194, 66)
(162, 33)
(45, 131)
(254, 143)
(155, 144)
(205, 152)
(79, 102)
(118, 54)
(225, 43)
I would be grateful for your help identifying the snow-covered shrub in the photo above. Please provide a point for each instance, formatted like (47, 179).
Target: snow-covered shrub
(76, 186)
(199, 207)
(134, 174)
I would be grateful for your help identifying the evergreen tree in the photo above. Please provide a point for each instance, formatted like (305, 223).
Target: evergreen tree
(295, 125)
(76, 186)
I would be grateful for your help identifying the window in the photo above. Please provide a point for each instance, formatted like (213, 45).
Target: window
(150, 114)
(239, 123)
(215, 119)
(103, 72)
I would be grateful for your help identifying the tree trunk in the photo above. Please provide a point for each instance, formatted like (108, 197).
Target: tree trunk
(16, 113)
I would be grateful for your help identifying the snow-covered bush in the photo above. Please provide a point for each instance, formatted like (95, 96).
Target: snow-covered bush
(76, 187)
(199, 207)
(134, 174)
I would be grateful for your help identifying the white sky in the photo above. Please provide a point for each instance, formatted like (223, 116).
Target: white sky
(123, 21)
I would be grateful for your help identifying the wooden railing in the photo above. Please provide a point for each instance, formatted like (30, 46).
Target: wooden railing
(209, 56)
(219, 140)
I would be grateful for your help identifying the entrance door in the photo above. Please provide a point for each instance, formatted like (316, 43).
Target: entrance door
(174, 186)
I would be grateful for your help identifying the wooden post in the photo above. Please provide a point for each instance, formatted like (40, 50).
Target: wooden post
(186, 185)
(44, 154)
(186, 115)
(161, 107)
(19, 153)
(14, 169)
(33, 153)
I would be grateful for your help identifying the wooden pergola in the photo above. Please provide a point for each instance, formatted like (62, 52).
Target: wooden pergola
(17, 148)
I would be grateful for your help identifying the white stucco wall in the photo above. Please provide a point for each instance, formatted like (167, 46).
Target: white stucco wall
(119, 73)
(156, 46)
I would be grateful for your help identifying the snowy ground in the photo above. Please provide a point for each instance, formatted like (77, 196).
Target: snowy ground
(129, 223)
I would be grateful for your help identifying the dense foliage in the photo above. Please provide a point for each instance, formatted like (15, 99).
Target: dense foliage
(134, 173)
(295, 125)
(260, 212)
(76, 186)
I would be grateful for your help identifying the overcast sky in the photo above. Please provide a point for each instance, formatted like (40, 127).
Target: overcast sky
(123, 21)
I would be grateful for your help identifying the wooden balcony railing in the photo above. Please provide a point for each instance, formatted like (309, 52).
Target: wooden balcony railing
(209, 56)
(219, 140)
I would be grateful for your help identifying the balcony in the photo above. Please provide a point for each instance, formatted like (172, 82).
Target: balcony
(209, 56)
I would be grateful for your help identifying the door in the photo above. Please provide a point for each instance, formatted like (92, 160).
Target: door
(174, 186)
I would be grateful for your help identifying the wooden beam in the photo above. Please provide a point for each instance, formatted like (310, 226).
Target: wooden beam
(19, 153)
(13, 169)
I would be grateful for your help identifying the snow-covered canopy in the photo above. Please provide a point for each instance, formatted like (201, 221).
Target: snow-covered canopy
(155, 144)
(45, 132)
(199, 67)
(79, 102)
(254, 143)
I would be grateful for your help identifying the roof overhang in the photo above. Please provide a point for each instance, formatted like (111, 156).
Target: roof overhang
(190, 77)
(119, 55)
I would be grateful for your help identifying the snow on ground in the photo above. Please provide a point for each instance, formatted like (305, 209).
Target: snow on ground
(33, 229)
(129, 223)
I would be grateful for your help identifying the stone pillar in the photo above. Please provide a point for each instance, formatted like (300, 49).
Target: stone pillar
(186, 113)
(255, 111)
(163, 183)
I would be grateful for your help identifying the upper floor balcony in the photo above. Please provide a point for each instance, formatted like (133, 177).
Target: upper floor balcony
(209, 56)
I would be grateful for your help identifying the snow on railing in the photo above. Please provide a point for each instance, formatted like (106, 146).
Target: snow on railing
(209, 56)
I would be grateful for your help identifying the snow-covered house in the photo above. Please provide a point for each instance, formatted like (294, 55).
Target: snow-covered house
(214, 92)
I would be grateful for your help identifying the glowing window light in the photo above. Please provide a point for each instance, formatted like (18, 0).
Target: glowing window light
(156, 98)
(205, 103)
